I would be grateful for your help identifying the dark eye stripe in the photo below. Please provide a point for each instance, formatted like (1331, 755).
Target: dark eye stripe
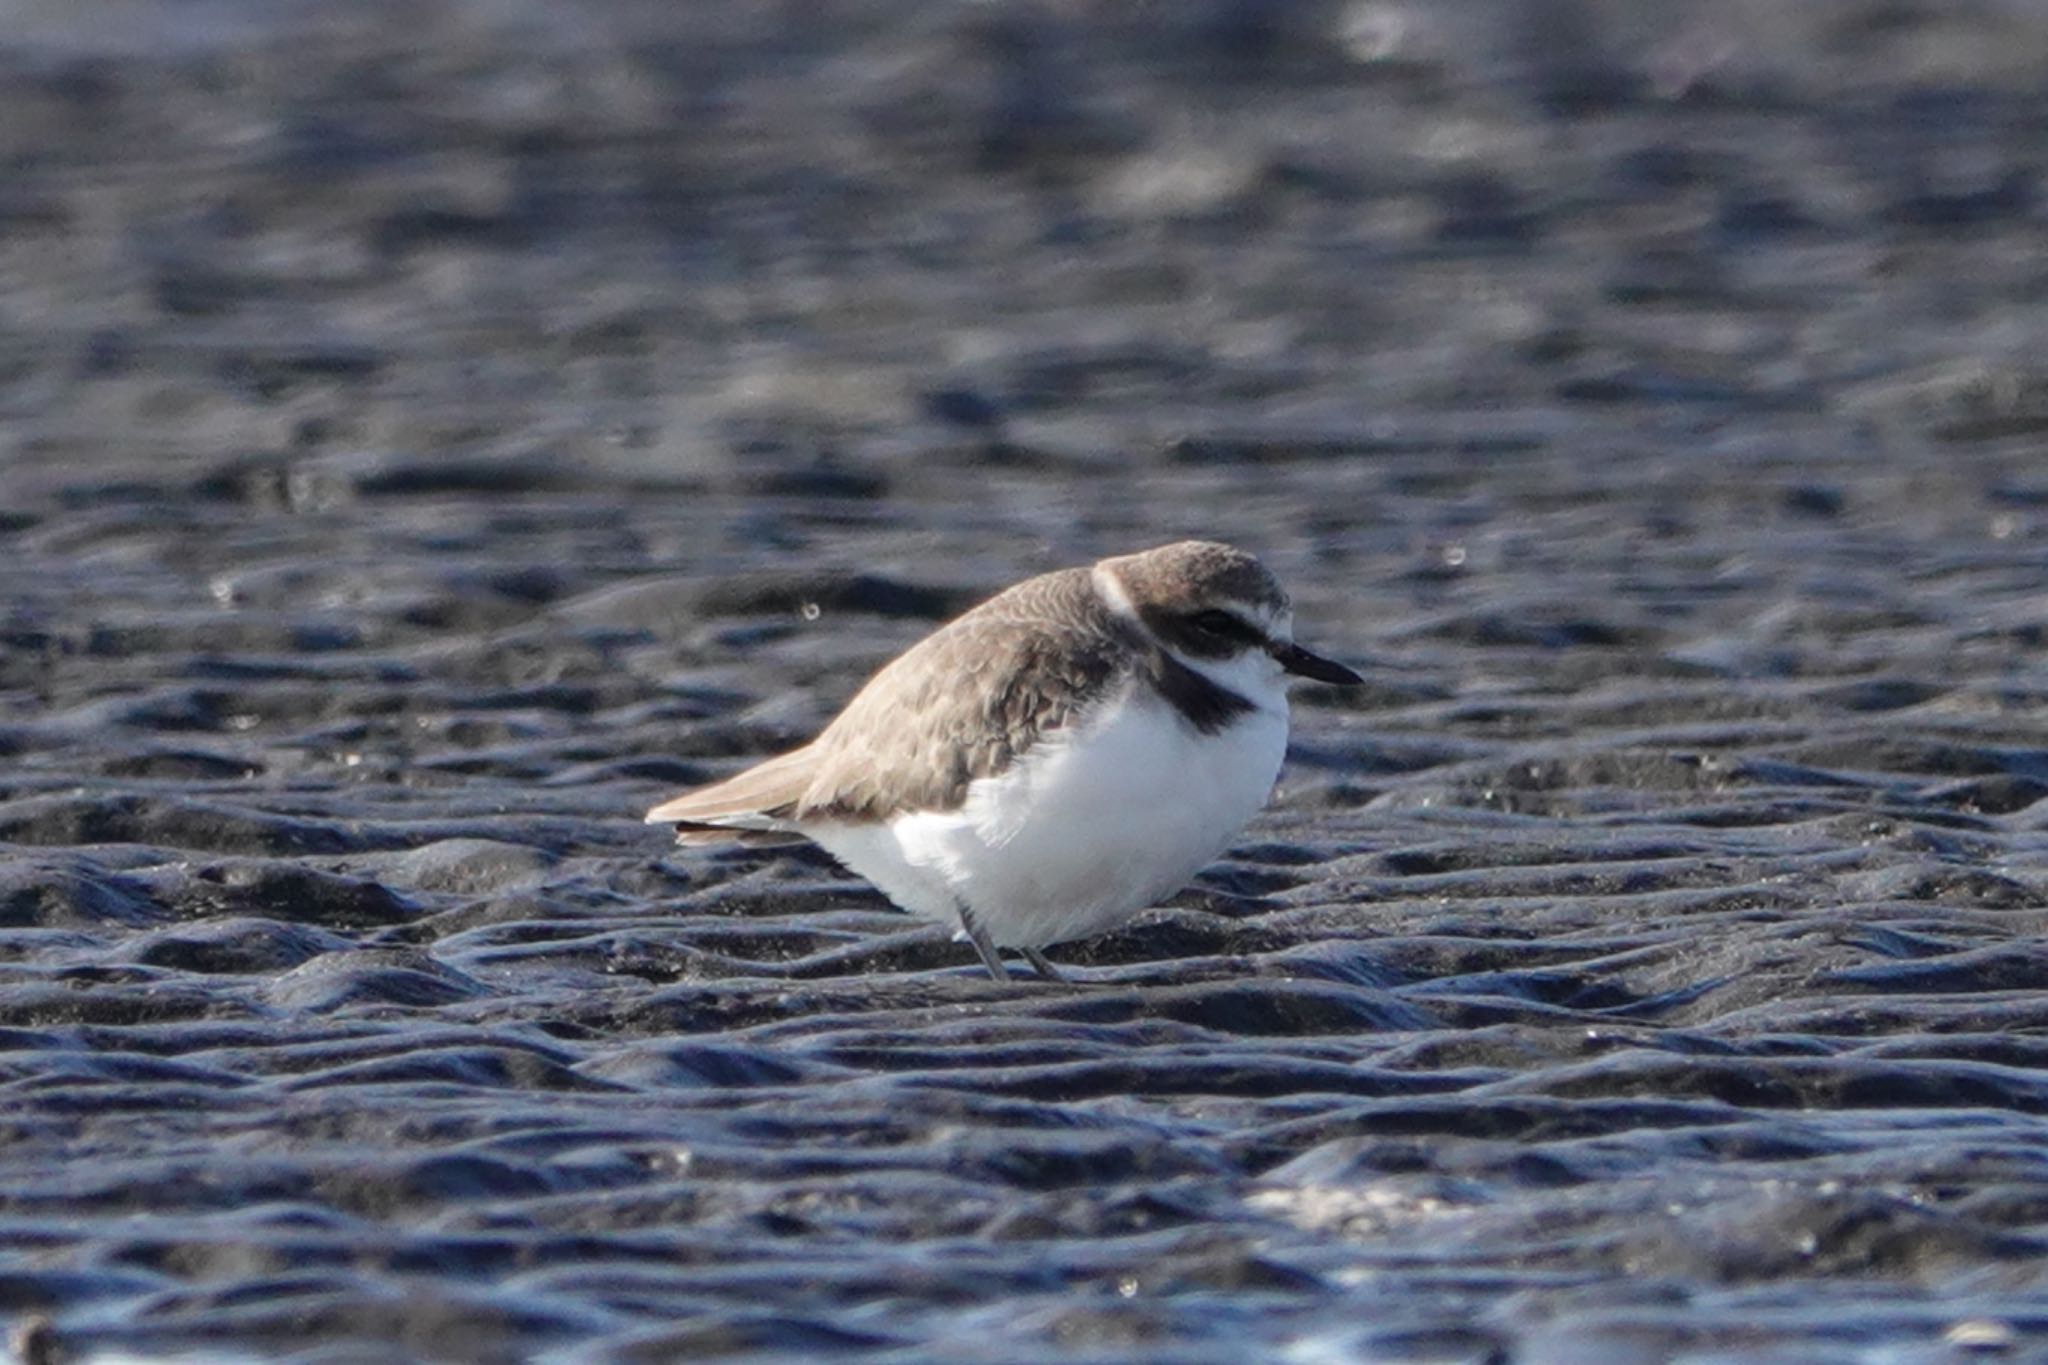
(1220, 639)
(1229, 627)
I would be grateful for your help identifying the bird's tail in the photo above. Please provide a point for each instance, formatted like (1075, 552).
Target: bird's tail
(751, 807)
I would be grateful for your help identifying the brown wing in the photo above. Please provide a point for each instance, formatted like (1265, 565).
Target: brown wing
(963, 703)
(967, 701)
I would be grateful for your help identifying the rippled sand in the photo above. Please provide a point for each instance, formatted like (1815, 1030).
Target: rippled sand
(434, 432)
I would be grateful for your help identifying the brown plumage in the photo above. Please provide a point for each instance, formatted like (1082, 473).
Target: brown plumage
(1142, 660)
(962, 703)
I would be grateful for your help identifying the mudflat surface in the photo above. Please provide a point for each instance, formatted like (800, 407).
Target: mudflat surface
(432, 432)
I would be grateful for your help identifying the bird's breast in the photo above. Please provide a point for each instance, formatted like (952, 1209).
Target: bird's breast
(1094, 825)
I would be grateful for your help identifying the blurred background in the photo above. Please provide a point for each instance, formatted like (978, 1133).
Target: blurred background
(776, 245)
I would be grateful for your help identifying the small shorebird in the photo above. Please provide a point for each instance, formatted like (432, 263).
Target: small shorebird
(1051, 763)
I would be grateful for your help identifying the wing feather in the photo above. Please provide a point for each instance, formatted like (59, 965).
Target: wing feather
(963, 703)
(756, 798)
(969, 700)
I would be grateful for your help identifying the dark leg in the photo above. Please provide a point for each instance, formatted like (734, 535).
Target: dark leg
(1041, 966)
(978, 936)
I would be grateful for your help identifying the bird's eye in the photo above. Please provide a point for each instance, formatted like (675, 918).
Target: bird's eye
(1213, 622)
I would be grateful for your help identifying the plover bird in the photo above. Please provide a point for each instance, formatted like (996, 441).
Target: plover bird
(1051, 763)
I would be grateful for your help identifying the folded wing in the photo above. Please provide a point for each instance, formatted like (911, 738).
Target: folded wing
(962, 704)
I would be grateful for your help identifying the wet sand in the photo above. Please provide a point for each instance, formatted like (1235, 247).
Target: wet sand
(435, 432)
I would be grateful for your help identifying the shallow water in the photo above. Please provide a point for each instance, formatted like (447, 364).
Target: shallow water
(429, 442)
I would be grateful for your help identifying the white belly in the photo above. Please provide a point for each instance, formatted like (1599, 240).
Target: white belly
(1085, 831)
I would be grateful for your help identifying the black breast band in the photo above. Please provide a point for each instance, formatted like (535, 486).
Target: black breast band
(1206, 705)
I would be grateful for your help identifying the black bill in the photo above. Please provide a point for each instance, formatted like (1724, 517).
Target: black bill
(1295, 659)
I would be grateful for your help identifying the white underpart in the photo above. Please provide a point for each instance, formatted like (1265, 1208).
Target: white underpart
(1091, 826)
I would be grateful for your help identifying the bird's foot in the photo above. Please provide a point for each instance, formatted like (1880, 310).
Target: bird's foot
(992, 956)
(1044, 968)
(983, 944)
